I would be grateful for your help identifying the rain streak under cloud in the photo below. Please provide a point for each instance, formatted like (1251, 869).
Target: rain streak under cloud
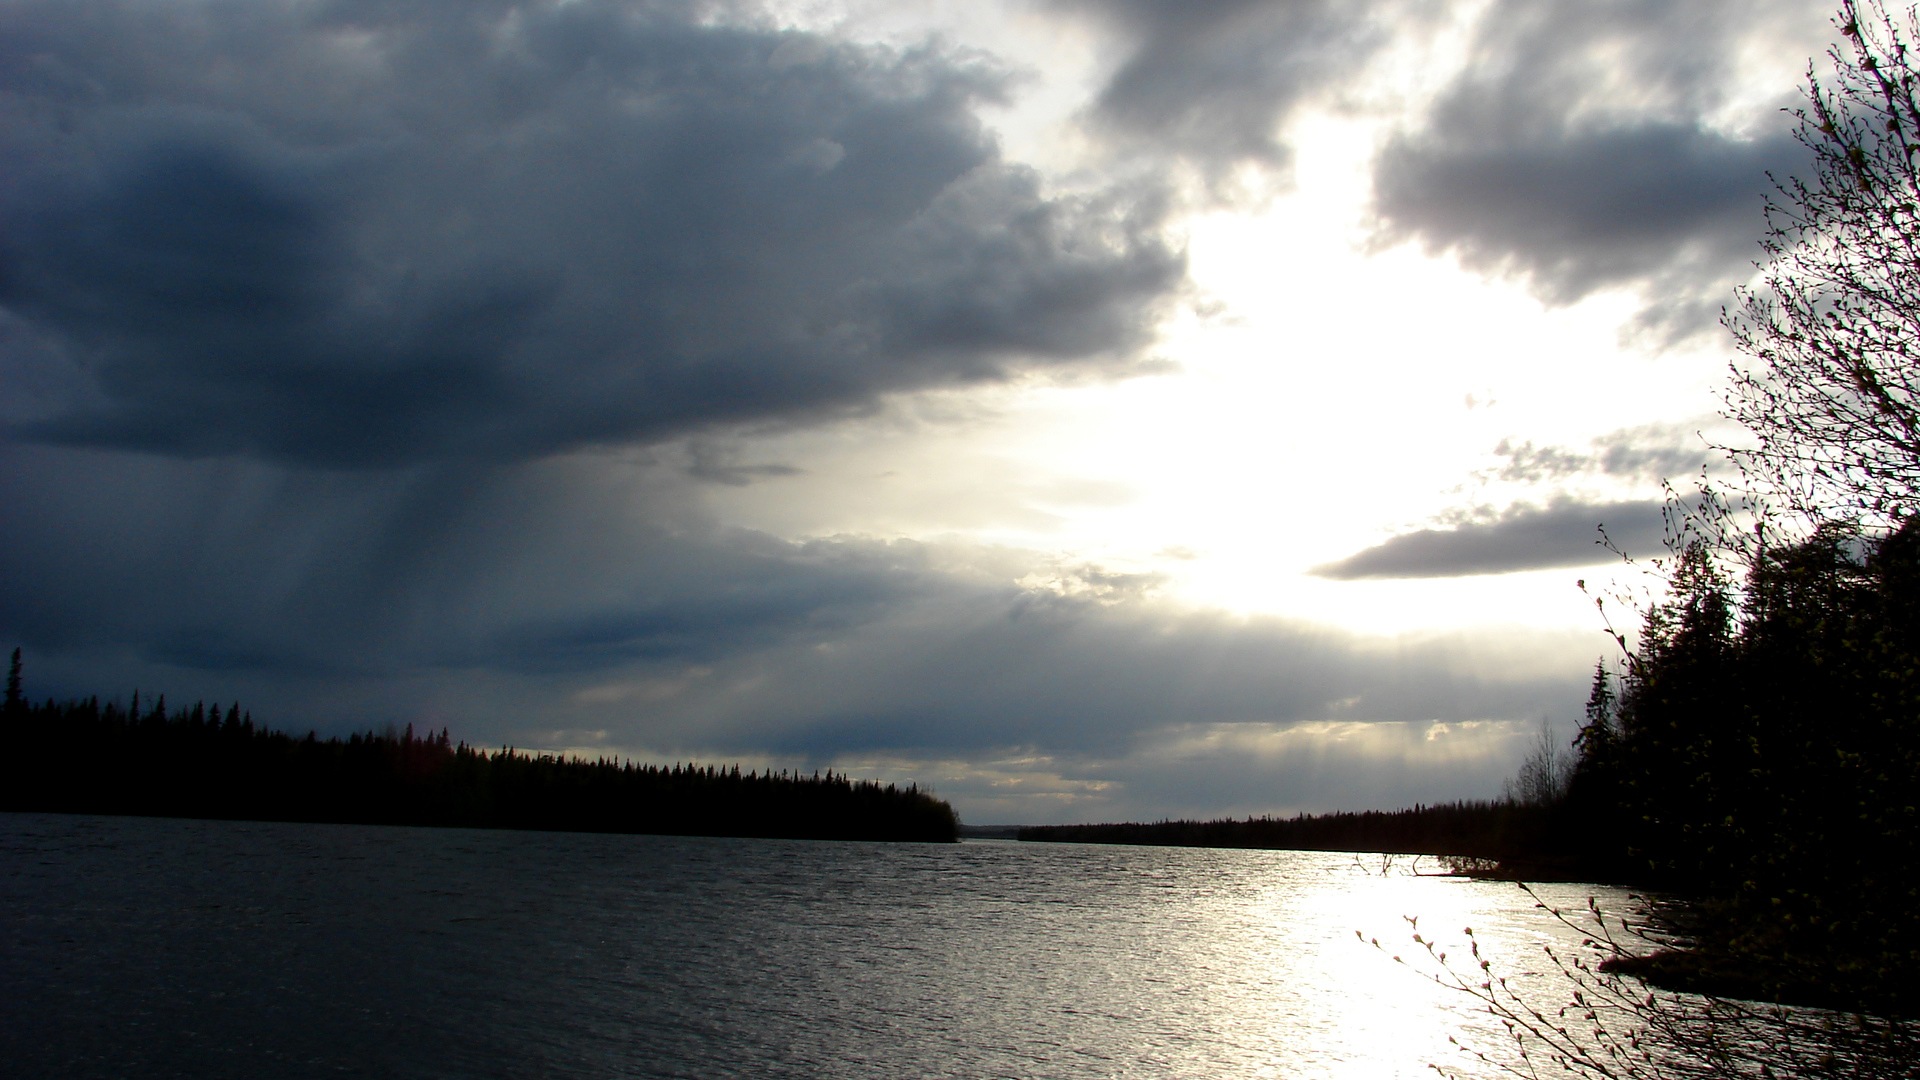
(679, 380)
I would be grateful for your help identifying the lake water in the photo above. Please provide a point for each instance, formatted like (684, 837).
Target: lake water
(137, 947)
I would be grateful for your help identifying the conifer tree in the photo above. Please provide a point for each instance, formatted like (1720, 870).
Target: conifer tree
(15, 699)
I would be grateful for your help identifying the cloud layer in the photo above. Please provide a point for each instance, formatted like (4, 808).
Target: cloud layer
(571, 604)
(1522, 537)
(363, 235)
(1648, 453)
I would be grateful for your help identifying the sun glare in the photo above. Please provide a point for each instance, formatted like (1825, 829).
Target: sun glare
(1322, 398)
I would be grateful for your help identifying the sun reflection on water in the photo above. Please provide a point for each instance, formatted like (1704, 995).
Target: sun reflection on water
(1326, 1001)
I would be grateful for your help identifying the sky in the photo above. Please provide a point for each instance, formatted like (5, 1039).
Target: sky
(1088, 410)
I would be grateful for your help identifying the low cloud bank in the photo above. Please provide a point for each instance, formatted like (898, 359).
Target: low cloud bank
(1522, 537)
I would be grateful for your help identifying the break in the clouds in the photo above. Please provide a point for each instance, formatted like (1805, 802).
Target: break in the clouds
(369, 235)
(1585, 146)
(1566, 532)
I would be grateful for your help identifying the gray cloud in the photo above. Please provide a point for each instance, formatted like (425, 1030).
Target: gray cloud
(1215, 83)
(1579, 211)
(1079, 679)
(553, 566)
(372, 235)
(719, 463)
(1522, 537)
(1579, 149)
(1650, 452)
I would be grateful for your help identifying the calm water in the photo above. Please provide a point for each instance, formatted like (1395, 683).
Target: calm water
(134, 947)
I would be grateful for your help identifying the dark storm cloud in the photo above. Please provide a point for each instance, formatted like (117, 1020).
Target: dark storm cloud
(1215, 82)
(1523, 537)
(1579, 149)
(537, 568)
(375, 235)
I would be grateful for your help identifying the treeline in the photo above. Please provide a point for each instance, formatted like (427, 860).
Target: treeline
(90, 757)
(1483, 830)
(1762, 749)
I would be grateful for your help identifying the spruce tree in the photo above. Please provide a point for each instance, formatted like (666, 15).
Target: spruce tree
(15, 701)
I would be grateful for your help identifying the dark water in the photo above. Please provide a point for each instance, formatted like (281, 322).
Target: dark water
(134, 947)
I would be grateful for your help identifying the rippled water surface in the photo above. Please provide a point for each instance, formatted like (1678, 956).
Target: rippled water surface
(137, 947)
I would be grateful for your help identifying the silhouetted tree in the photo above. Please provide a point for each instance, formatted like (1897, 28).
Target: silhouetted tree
(1544, 772)
(1762, 750)
(1832, 389)
(14, 697)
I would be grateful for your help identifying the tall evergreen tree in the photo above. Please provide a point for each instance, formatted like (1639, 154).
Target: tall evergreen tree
(15, 699)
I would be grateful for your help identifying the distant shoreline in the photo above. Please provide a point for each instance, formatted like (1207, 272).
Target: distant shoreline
(85, 757)
(1476, 835)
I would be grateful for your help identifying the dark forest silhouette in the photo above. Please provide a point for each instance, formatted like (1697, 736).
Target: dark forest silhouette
(90, 757)
(1761, 751)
